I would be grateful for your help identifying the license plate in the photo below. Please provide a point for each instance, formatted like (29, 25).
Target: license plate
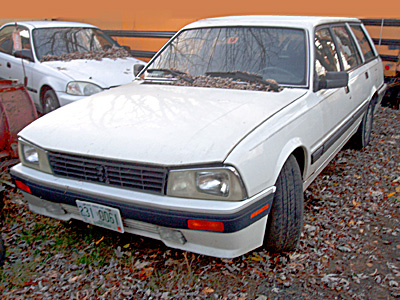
(100, 215)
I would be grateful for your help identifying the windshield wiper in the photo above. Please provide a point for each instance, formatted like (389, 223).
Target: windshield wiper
(176, 73)
(240, 75)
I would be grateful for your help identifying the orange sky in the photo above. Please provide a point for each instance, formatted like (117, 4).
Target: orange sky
(171, 15)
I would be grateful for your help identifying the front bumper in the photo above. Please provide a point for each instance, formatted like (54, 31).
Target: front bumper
(64, 98)
(159, 217)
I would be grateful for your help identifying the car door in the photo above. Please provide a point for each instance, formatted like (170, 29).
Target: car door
(13, 40)
(372, 64)
(359, 75)
(6, 46)
(332, 103)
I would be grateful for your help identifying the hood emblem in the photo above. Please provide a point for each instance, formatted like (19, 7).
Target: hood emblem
(102, 174)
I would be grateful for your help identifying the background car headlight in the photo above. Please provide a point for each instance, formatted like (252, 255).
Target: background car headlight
(221, 183)
(33, 156)
(81, 88)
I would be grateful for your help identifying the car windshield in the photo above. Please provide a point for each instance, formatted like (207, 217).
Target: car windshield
(55, 42)
(258, 53)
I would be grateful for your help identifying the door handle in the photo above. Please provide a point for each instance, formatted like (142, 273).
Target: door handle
(366, 75)
(8, 65)
(347, 90)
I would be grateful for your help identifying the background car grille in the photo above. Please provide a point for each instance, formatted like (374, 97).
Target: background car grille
(109, 172)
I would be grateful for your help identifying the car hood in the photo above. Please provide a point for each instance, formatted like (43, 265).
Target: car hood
(105, 73)
(157, 124)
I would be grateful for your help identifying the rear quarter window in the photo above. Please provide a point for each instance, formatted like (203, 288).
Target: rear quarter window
(363, 41)
(6, 42)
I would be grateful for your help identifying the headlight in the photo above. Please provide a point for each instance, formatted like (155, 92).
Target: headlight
(212, 183)
(33, 156)
(30, 154)
(81, 88)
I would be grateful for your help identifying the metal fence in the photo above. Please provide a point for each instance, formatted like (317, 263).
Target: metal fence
(379, 41)
(169, 34)
(141, 34)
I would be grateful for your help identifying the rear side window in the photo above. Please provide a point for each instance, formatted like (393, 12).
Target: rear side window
(326, 55)
(348, 51)
(364, 43)
(6, 42)
(14, 38)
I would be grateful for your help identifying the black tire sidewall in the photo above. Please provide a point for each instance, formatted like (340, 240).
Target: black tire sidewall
(2, 252)
(50, 94)
(285, 221)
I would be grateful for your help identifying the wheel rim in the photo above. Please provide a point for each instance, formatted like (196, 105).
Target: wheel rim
(49, 104)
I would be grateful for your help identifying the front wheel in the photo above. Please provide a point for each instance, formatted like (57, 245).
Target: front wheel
(50, 101)
(285, 220)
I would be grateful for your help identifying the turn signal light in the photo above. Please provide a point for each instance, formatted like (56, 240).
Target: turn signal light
(23, 186)
(206, 225)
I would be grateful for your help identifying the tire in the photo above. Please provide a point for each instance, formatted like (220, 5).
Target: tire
(285, 220)
(2, 252)
(362, 137)
(50, 101)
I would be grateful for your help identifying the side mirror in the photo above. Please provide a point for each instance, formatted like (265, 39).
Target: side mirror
(137, 68)
(332, 80)
(24, 54)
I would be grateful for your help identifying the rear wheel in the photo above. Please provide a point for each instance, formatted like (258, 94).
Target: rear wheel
(50, 101)
(285, 220)
(362, 137)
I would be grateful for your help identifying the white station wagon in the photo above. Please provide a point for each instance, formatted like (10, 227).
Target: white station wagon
(211, 148)
(62, 62)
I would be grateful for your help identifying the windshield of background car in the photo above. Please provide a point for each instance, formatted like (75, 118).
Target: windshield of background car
(59, 41)
(272, 53)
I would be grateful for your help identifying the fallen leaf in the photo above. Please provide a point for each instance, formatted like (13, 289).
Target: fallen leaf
(208, 290)
(145, 273)
(102, 238)
(330, 244)
(370, 265)
(256, 258)
(126, 246)
(398, 189)
(391, 194)
(141, 265)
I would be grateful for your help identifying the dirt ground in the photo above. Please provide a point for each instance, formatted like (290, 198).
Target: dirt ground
(349, 249)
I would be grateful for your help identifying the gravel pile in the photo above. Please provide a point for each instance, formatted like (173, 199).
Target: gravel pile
(350, 246)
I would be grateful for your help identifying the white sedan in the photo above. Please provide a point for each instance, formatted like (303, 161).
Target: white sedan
(61, 62)
(211, 148)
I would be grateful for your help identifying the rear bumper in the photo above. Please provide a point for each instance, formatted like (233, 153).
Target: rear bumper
(160, 217)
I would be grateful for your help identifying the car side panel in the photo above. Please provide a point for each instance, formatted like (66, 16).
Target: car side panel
(260, 157)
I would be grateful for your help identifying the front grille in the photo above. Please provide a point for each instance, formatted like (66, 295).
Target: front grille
(114, 173)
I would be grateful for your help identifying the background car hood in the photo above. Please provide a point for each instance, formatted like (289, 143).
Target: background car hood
(164, 125)
(105, 73)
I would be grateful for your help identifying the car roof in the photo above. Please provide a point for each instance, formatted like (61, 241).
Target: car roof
(265, 20)
(50, 24)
